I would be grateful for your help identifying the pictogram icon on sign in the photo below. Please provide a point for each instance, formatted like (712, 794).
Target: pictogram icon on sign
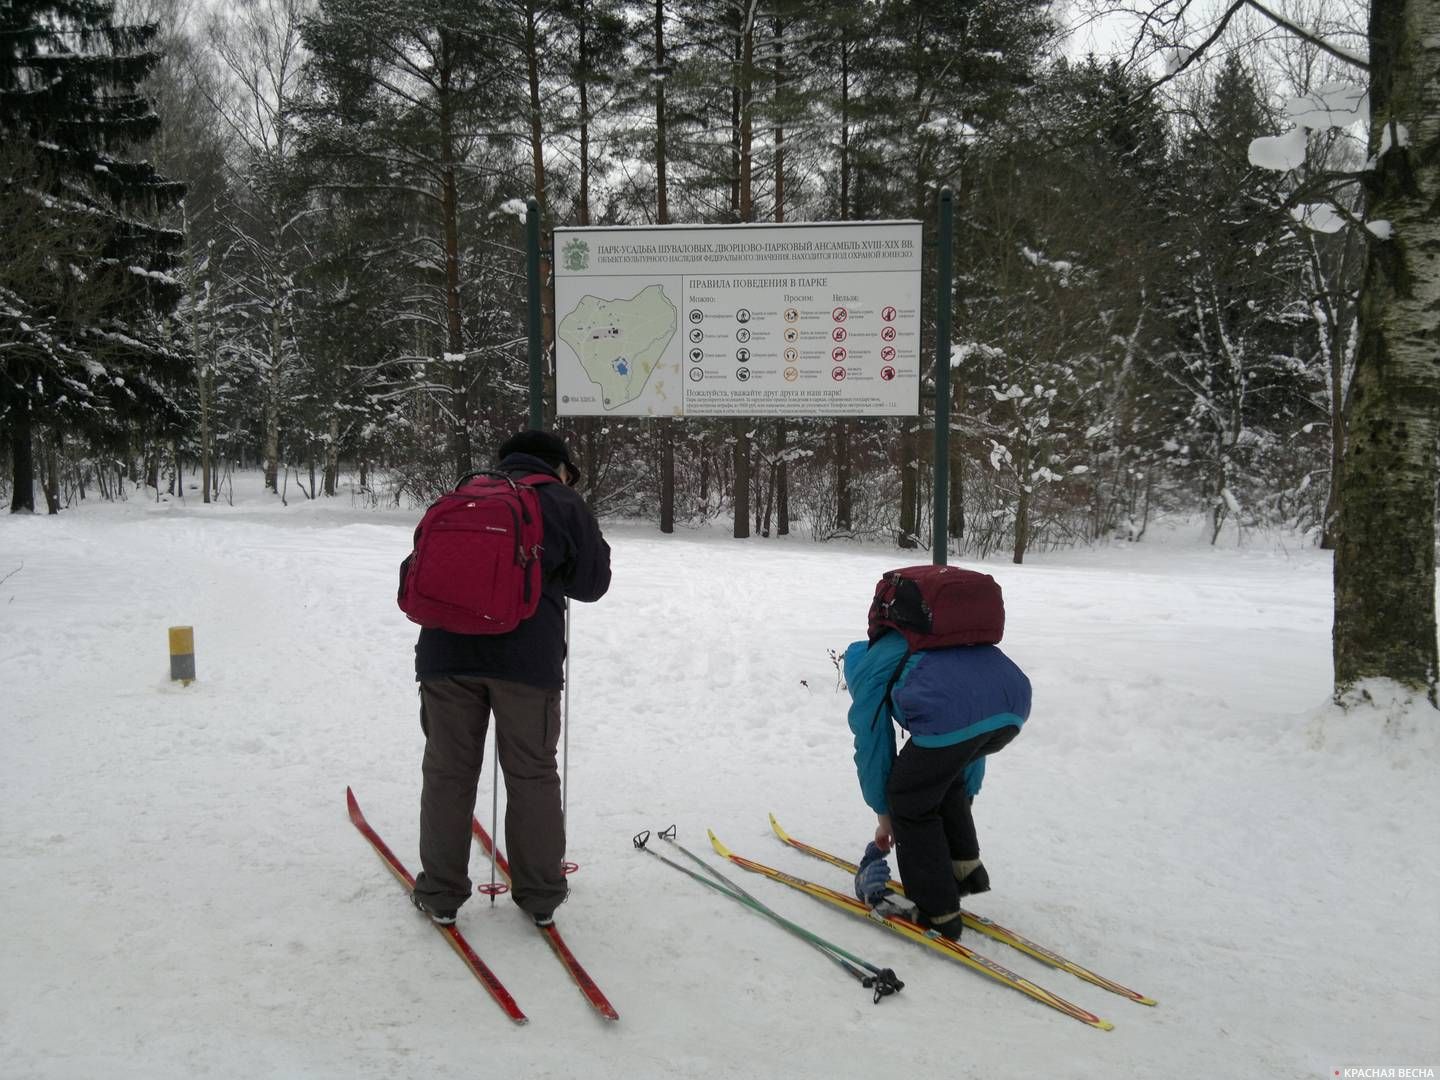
(888, 333)
(887, 353)
(696, 374)
(791, 374)
(839, 333)
(742, 355)
(742, 334)
(839, 314)
(791, 315)
(838, 354)
(887, 373)
(888, 314)
(791, 334)
(696, 315)
(792, 355)
(697, 335)
(697, 355)
(743, 315)
(743, 374)
(838, 374)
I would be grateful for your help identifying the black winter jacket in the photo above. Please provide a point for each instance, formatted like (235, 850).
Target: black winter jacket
(575, 562)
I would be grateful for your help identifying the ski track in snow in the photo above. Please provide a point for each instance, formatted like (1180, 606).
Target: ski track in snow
(184, 895)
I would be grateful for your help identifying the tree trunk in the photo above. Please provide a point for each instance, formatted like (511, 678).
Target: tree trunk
(741, 428)
(843, 508)
(746, 210)
(332, 457)
(537, 157)
(667, 474)
(460, 449)
(909, 486)
(956, 525)
(583, 87)
(779, 125)
(50, 482)
(764, 526)
(22, 461)
(746, 194)
(272, 396)
(662, 202)
(845, 126)
(1385, 558)
(1022, 525)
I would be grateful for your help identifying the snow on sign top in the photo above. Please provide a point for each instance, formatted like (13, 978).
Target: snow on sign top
(818, 319)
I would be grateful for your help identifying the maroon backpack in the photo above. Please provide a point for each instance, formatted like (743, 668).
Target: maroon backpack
(475, 567)
(936, 606)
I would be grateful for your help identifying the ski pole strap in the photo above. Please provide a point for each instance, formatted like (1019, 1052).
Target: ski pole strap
(884, 982)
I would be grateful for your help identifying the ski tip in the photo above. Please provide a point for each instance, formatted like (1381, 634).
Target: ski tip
(775, 825)
(716, 844)
(350, 802)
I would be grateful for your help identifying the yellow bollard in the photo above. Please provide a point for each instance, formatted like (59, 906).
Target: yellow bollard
(182, 654)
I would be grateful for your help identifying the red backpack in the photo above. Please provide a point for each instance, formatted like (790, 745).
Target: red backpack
(475, 567)
(936, 606)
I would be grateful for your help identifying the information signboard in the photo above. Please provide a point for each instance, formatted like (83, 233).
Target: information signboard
(745, 320)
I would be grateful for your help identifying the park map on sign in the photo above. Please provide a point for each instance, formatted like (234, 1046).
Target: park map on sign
(619, 342)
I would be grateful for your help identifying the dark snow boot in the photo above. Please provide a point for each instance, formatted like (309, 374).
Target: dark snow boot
(437, 916)
(948, 926)
(971, 877)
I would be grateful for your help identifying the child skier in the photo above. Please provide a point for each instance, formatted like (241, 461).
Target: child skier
(930, 665)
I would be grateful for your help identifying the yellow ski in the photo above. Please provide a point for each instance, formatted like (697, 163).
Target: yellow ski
(905, 928)
(984, 926)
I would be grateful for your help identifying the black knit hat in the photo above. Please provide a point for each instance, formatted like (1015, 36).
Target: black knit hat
(543, 445)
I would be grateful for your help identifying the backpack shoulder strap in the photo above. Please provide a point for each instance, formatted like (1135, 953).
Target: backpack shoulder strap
(886, 703)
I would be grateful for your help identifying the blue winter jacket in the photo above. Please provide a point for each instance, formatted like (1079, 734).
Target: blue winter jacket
(942, 697)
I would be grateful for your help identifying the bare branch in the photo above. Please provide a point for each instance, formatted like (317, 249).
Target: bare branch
(1200, 49)
(1307, 35)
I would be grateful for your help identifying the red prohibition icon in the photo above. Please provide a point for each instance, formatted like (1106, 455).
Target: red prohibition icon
(887, 353)
(888, 333)
(838, 354)
(888, 314)
(839, 314)
(838, 333)
(887, 373)
(838, 374)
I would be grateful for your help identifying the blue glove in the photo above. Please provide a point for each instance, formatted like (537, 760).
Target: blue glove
(872, 881)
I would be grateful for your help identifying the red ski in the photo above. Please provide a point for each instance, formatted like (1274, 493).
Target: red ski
(453, 936)
(551, 933)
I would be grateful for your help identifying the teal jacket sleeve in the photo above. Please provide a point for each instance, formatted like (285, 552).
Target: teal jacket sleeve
(867, 673)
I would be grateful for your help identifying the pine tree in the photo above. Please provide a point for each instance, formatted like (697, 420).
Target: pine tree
(410, 103)
(84, 272)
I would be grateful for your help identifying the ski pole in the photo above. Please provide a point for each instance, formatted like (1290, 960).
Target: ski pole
(565, 724)
(495, 888)
(884, 974)
(566, 865)
(883, 981)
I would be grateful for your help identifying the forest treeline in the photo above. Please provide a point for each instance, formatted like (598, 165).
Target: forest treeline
(289, 234)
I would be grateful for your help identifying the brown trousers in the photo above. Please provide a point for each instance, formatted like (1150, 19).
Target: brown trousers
(455, 715)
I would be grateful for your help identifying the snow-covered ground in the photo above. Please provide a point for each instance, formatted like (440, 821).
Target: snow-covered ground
(184, 896)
